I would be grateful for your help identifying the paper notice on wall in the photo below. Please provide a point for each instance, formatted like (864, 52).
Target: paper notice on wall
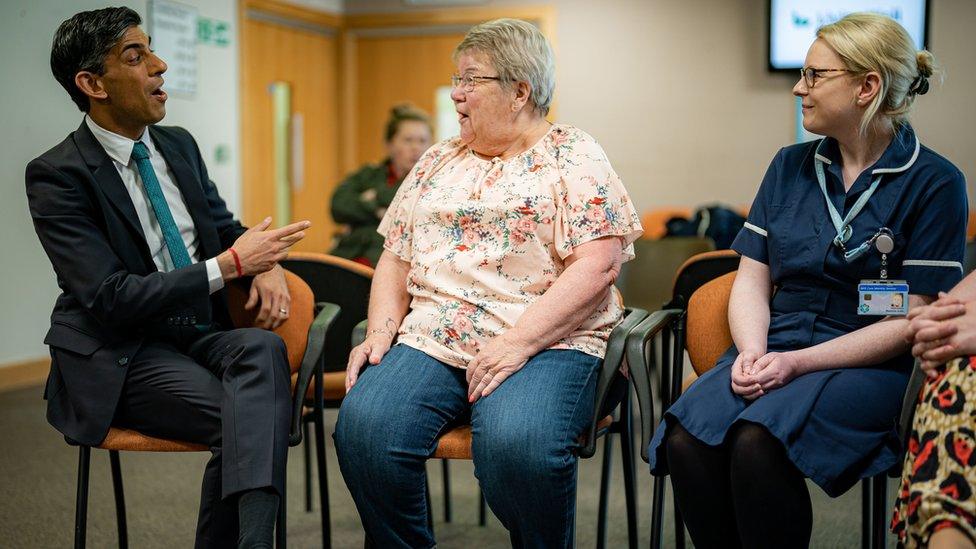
(173, 29)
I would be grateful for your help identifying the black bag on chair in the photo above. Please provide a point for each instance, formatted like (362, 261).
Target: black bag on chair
(717, 222)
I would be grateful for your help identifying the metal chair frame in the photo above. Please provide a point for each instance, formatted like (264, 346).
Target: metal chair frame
(311, 365)
(670, 324)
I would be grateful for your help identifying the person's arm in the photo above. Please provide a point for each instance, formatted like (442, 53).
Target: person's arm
(867, 346)
(749, 322)
(940, 232)
(354, 200)
(749, 306)
(389, 303)
(87, 265)
(951, 337)
(934, 330)
(965, 290)
(749, 301)
(932, 262)
(269, 289)
(576, 294)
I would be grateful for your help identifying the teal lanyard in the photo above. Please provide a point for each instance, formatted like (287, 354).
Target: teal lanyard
(843, 225)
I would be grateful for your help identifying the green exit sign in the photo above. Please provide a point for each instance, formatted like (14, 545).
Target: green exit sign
(212, 31)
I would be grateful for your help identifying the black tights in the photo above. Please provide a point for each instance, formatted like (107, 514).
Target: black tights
(744, 493)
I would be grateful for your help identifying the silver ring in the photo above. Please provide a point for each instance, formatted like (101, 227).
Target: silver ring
(283, 311)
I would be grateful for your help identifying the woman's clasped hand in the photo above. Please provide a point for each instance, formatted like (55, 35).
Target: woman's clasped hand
(754, 374)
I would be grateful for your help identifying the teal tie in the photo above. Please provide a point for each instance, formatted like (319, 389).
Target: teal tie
(171, 233)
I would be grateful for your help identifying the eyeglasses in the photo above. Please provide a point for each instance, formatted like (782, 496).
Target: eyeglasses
(469, 81)
(810, 74)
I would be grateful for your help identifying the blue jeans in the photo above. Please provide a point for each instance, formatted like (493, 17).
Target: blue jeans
(523, 437)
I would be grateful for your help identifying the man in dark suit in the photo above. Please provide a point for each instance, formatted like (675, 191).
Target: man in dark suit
(142, 245)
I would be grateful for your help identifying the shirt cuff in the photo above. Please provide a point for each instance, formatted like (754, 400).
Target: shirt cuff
(214, 277)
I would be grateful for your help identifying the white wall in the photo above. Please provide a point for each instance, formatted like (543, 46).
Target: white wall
(678, 94)
(37, 114)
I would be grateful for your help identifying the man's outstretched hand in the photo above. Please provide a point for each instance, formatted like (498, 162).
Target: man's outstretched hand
(259, 249)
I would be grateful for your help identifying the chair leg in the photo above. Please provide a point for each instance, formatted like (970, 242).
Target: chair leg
(657, 512)
(281, 525)
(865, 513)
(601, 517)
(630, 483)
(81, 502)
(879, 506)
(482, 508)
(307, 452)
(323, 478)
(446, 472)
(113, 457)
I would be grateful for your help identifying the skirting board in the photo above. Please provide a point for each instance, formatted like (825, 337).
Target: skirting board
(26, 373)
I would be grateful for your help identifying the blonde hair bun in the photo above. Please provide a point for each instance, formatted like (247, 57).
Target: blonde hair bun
(870, 42)
(926, 63)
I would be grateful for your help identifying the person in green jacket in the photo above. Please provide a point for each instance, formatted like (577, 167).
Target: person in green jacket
(362, 198)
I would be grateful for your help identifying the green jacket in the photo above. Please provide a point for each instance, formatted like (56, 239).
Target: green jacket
(360, 202)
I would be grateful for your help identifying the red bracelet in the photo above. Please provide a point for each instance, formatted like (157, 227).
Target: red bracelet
(237, 262)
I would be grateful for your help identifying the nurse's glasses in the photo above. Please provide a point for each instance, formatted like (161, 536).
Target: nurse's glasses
(810, 75)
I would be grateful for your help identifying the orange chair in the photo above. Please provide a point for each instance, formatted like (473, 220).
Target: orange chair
(670, 322)
(304, 334)
(697, 319)
(455, 443)
(655, 221)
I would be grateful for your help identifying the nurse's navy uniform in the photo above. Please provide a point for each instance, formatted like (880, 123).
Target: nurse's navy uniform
(837, 425)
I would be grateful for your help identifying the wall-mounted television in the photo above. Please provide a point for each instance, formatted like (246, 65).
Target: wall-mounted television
(793, 24)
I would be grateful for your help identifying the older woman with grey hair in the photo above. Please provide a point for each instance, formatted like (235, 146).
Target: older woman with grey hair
(495, 284)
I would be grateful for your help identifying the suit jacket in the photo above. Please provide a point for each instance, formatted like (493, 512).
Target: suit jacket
(112, 295)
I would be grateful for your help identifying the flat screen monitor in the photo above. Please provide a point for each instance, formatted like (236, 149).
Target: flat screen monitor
(793, 24)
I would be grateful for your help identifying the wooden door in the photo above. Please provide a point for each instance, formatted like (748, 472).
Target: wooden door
(391, 70)
(396, 57)
(282, 43)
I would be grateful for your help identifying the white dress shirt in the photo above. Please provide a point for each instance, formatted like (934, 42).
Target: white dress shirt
(119, 149)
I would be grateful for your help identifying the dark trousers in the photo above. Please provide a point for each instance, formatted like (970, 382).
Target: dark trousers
(230, 390)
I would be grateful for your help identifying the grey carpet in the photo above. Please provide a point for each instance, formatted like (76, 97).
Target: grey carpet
(38, 473)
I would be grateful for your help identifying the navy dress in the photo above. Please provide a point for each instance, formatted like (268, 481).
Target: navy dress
(837, 425)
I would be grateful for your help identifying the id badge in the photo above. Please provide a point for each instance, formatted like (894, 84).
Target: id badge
(882, 297)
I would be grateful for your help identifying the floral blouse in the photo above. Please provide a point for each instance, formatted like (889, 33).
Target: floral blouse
(486, 238)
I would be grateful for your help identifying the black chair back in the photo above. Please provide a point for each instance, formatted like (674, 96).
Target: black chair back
(340, 281)
(699, 270)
